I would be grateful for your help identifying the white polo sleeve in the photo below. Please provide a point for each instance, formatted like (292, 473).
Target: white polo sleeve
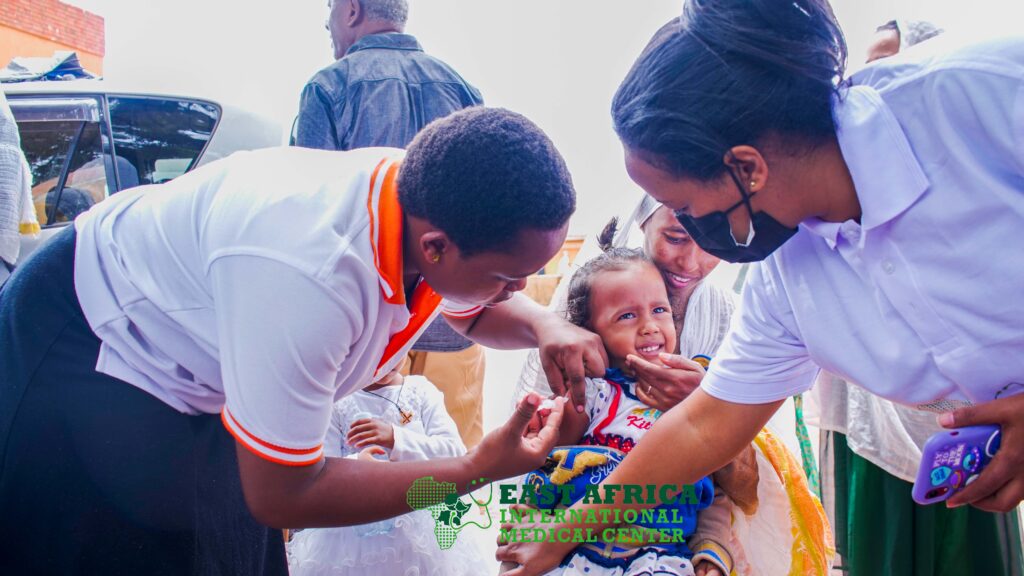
(283, 337)
(763, 358)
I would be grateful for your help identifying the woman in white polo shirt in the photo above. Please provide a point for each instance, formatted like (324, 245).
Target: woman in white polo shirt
(232, 306)
(886, 209)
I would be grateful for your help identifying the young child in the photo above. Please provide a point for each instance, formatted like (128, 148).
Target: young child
(622, 297)
(397, 418)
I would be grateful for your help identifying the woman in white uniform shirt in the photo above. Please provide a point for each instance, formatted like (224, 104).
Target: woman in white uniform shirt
(230, 308)
(886, 209)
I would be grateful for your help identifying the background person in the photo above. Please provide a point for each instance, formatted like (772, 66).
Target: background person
(410, 423)
(896, 35)
(777, 522)
(381, 91)
(17, 213)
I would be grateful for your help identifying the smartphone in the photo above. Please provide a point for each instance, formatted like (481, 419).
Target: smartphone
(952, 459)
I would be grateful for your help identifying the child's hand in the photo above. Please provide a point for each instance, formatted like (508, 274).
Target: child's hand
(370, 454)
(513, 449)
(367, 431)
(540, 417)
(706, 568)
(537, 422)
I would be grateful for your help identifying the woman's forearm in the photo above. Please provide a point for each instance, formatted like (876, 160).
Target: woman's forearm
(511, 325)
(356, 492)
(342, 491)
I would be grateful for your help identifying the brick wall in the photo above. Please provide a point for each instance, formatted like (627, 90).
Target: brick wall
(56, 21)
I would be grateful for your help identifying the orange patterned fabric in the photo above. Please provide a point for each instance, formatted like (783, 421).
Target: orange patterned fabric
(813, 547)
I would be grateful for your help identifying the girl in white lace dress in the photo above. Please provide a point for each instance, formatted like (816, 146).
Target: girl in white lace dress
(399, 418)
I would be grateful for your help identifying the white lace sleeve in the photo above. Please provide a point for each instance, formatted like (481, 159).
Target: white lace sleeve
(440, 437)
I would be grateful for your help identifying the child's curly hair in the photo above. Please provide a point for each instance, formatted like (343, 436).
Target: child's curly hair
(612, 260)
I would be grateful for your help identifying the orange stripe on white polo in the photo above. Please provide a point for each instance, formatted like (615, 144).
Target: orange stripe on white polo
(424, 302)
(461, 314)
(386, 230)
(386, 240)
(268, 451)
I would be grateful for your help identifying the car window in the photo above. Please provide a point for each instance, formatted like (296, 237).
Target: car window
(158, 139)
(59, 133)
(86, 182)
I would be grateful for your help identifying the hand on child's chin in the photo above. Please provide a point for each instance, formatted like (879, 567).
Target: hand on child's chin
(633, 358)
(667, 385)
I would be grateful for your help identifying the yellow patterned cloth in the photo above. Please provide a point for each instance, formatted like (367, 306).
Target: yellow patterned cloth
(789, 535)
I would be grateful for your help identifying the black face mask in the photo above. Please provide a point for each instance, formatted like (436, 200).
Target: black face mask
(713, 233)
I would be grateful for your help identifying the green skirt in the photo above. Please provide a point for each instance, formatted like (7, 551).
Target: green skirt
(881, 531)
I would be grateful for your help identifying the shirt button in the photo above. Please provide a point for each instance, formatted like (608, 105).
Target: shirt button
(887, 267)
(850, 231)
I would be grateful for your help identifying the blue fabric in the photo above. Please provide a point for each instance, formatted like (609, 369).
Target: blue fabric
(704, 488)
(381, 93)
(676, 550)
(617, 375)
(384, 91)
(627, 383)
(686, 508)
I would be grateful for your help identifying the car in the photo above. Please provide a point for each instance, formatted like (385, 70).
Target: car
(88, 139)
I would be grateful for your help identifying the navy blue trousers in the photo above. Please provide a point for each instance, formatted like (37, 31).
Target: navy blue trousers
(97, 476)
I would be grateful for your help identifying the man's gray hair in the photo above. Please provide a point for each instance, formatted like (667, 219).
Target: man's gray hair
(394, 11)
(916, 31)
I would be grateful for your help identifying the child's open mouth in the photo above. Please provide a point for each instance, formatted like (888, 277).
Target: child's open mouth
(650, 350)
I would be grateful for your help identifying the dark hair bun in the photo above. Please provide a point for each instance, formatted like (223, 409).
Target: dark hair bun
(797, 37)
(727, 73)
(607, 236)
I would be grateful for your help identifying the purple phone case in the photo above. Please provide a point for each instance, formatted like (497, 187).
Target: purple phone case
(952, 459)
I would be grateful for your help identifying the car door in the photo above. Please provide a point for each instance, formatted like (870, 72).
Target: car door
(67, 144)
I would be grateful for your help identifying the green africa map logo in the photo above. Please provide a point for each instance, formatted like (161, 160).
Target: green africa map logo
(442, 500)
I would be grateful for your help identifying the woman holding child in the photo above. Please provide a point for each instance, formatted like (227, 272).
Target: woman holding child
(761, 515)
(880, 205)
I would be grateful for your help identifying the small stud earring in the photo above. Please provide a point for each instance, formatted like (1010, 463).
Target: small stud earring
(752, 184)
(436, 258)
